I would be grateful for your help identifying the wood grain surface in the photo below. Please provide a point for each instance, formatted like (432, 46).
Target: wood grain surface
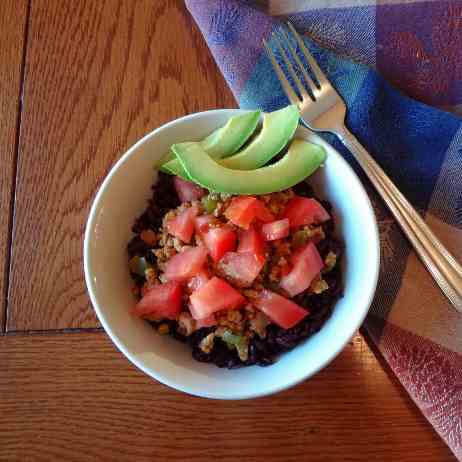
(97, 77)
(13, 16)
(74, 397)
(118, 70)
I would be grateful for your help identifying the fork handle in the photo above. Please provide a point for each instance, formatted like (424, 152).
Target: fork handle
(445, 270)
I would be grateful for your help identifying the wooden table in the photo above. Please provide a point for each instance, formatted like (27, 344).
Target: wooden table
(80, 82)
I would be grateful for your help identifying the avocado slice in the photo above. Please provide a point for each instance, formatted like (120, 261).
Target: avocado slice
(173, 167)
(222, 142)
(300, 161)
(278, 128)
(228, 139)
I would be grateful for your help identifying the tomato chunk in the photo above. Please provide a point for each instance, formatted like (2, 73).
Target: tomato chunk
(215, 295)
(219, 241)
(304, 211)
(241, 211)
(198, 280)
(186, 190)
(275, 230)
(262, 213)
(162, 301)
(282, 311)
(182, 226)
(307, 264)
(186, 264)
(250, 240)
(241, 268)
(203, 222)
(209, 321)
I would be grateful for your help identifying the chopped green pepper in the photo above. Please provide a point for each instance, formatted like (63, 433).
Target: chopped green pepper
(209, 204)
(231, 338)
(237, 341)
(300, 238)
(138, 265)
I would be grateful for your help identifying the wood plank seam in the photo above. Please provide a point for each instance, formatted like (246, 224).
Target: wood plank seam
(7, 263)
(76, 398)
(67, 330)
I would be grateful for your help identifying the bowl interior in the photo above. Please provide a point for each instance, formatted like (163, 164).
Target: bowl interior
(123, 197)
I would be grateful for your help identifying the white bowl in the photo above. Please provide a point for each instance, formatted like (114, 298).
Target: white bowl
(122, 198)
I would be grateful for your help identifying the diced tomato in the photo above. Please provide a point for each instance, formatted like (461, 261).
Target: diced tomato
(209, 321)
(182, 226)
(203, 222)
(186, 264)
(275, 230)
(219, 241)
(241, 211)
(285, 269)
(307, 264)
(304, 211)
(186, 190)
(162, 301)
(250, 240)
(285, 313)
(262, 213)
(215, 295)
(241, 268)
(198, 280)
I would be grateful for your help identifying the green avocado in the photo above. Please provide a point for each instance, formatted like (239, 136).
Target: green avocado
(173, 167)
(278, 128)
(300, 161)
(222, 142)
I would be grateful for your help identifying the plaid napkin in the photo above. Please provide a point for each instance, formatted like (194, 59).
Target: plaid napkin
(416, 45)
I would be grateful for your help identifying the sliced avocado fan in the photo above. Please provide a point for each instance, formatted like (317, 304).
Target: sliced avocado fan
(300, 161)
(222, 142)
(278, 128)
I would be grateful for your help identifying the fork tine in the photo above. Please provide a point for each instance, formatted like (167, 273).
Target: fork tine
(293, 98)
(320, 76)
(301, 89)
(309, 81)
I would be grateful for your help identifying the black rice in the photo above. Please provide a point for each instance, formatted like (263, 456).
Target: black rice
(164, 198)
